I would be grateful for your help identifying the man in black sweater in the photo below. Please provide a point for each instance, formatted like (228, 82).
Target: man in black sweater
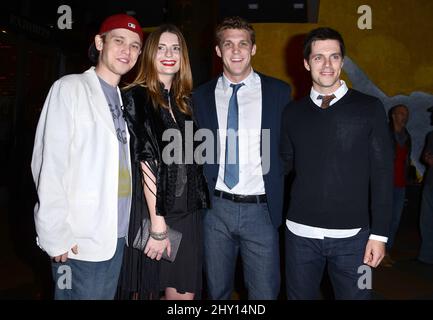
(337, 143)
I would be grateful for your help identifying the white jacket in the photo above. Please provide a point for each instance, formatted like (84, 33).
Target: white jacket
(75, 166)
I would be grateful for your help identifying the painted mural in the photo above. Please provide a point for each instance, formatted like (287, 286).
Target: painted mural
(389, 54)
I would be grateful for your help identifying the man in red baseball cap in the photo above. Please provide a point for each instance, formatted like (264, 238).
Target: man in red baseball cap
(121, 21)
(81, 168)
(117, 21)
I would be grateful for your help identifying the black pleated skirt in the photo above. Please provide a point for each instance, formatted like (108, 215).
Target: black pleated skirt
(143, 278)
(185, 272)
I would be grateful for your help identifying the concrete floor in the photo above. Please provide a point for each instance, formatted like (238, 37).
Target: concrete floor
(25, 271)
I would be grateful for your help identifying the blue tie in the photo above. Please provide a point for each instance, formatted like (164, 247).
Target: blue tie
(231, 170)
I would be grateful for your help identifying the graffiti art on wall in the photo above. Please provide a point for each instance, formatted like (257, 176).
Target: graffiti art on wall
(417, 102)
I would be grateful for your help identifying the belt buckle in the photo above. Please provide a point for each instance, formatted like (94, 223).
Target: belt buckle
(242, 198)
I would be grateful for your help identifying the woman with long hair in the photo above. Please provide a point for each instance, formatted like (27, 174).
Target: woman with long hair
(166, 189)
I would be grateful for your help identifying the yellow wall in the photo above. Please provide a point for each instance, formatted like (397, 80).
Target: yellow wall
(396, 54)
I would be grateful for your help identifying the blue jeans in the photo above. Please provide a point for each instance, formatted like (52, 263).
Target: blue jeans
(85, 280)
(231, 228)
(426, 225)
(306, 259)
(398, 198)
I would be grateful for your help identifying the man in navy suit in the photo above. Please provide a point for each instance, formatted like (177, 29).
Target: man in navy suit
(245, 180)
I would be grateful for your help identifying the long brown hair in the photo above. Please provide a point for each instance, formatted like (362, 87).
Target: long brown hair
(147, 75)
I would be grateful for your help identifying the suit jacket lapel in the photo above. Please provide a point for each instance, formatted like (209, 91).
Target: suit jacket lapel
(213, 117)
(266, 104)
(100, 104)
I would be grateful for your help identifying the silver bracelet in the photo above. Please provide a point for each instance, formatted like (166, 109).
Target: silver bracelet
(158, 235)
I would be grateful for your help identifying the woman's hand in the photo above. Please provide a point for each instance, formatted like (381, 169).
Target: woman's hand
(155, 248)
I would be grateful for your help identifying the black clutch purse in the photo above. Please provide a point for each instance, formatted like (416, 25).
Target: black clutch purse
(143, 236)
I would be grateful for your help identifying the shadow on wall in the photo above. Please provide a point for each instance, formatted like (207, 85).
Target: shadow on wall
(21, 226)
(417, 102)
(294, 66)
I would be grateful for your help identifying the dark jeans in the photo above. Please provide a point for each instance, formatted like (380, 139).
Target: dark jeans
(230, 228)
(85, 280)
(306, 259)
(426, 225)
(397, 209)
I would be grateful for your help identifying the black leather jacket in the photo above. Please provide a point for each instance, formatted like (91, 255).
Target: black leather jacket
(146, 126)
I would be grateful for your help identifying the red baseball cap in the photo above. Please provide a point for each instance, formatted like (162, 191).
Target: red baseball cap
(121, 21)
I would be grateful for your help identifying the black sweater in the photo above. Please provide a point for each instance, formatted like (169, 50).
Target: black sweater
(339, 154)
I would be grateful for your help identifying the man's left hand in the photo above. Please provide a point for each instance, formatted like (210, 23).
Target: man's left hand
(374, 253)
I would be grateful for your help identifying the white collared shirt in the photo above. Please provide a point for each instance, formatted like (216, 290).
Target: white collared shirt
(306, 231)
(250, 119)
(339, 93)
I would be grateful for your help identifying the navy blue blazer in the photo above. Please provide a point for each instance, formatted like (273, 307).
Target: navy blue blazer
(276, 94)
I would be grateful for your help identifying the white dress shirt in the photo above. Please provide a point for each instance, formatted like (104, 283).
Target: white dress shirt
(306, 231)
(250, 119)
